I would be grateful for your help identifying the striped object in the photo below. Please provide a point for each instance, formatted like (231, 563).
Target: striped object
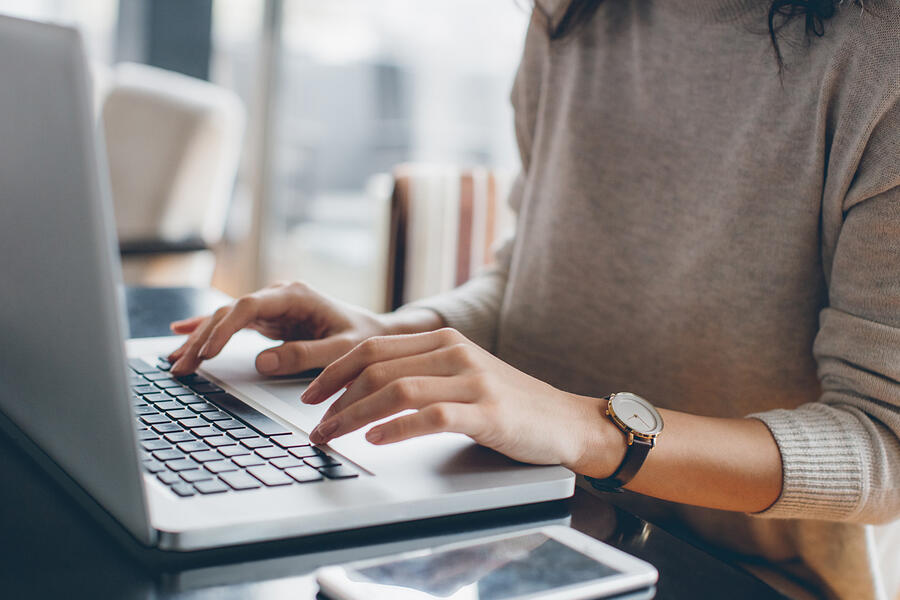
(445, 222)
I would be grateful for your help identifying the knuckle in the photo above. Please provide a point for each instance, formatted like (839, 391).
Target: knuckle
(448, 335)
(438, 416)
(404, 391)
(295, 353)
(370, 348)
(298, 287)
(373, 376)
(244, 303)
(460, 354)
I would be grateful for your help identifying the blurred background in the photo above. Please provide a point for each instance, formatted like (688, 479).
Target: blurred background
(278, 127)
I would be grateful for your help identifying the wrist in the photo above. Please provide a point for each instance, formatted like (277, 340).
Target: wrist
(601, 446)
(410, 320)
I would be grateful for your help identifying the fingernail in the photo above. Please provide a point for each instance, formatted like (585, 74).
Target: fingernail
(374, 436)
(310, 393)
(267, 362)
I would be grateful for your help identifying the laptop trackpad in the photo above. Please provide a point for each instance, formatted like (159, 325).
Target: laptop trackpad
(435, 455)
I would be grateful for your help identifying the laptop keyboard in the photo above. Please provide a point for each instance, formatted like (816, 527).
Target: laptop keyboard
(198, 439)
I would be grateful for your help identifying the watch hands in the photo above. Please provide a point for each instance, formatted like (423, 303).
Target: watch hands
(637, 416)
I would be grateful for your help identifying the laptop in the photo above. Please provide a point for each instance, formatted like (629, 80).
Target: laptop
(213, 460)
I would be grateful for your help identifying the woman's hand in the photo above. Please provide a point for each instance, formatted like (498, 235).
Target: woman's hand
(453, 385)
(316, 329)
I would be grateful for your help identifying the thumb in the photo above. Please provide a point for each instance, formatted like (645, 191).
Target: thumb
(294, 357)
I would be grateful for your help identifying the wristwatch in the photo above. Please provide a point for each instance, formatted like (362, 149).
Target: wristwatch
(641, 424)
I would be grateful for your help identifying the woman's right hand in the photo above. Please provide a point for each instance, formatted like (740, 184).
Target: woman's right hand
(316, 329)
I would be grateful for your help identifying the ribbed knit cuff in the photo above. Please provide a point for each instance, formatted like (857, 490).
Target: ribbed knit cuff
(472, 309)
(824, 462)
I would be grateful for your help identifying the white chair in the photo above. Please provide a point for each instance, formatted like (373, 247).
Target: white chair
(173, 144)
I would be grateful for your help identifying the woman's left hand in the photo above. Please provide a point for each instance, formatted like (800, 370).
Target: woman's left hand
(454, 385)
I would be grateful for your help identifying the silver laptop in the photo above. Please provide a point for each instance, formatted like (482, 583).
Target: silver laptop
(217, 459)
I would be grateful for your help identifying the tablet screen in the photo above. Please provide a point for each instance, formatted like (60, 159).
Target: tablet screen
(495, 570)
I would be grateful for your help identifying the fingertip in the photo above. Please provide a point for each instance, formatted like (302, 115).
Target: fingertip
(311, 394)
(267, 362)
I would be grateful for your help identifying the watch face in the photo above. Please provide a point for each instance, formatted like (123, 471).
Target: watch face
(635, 412)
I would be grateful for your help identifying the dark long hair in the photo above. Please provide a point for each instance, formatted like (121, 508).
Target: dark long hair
(781, 12)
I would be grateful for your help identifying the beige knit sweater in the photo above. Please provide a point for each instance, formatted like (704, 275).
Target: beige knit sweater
(725, 242)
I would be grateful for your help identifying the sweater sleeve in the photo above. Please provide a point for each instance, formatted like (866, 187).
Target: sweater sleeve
(841, 455)
(474, 307)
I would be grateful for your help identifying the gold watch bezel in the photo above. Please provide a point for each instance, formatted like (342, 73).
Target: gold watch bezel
(629, 431)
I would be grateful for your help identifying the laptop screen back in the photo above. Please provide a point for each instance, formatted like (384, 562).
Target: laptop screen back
(62, 368)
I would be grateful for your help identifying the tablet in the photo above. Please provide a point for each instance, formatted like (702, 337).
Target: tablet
(550, 563)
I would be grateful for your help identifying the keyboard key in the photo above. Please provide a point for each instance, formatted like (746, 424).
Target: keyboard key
(183, 489)
(163, 364)
(193, 422)
(270, 476)
(305, 452)
(154, 466)
(206, 432)
(304, 474)
(166, 428)
(286, 462)
(179, 391)
(145, 388)
(292, 441)
(181, 436)
(184, 464)
(145, 410)
(156, 444)
(212, 486)
(271, 452)
(136, 379)
(250, 460)
(248, 414)
(168, 477)
(338, 472)
(254, 443)
(220, 466)
(219, 441)
(206, 456)
(155, 419)
(239, 480)
(181, 413)
(235, 450)
(160, 397)
(146, 435)
(201, 407)
(192, 378)
(195, 475)
(193, 446)
(170, 405)
(320, 461)
(216, 415)
(140, 366)
(229, 424)
(156, 375)
(205, 388)
(169, 454)
(242, 434)
(167, 382)
(193, 400)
